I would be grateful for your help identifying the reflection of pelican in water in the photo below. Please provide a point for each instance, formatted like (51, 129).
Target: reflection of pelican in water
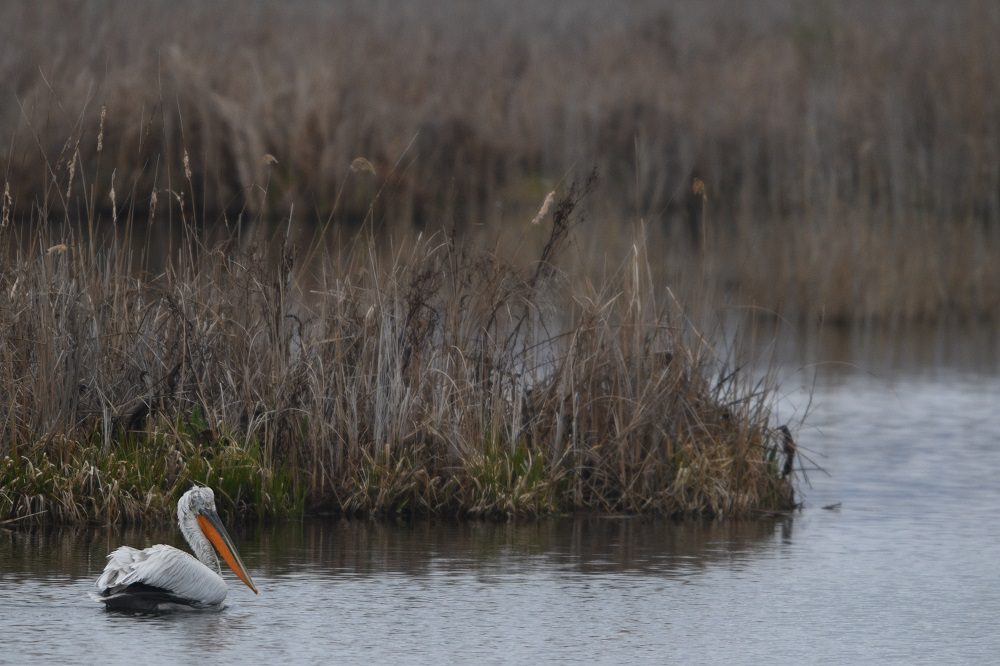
(161, 578)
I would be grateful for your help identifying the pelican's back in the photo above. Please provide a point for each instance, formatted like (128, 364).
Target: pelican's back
(158, 578)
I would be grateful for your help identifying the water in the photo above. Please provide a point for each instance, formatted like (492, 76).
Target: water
(905, 571)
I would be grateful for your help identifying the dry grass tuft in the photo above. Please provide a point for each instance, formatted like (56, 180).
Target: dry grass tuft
(430, 379)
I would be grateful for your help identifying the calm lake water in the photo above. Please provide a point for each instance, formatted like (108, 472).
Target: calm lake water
(907, 570)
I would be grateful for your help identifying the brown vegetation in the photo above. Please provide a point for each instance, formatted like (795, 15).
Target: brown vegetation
(425, 380)
(848, 153)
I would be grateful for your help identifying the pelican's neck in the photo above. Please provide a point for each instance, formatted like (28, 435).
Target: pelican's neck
(203, 550)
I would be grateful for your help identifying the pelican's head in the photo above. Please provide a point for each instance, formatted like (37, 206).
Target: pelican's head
(199, 504)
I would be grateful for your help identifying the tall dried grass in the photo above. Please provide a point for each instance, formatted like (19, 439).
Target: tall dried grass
(850, 150)
(432, 378)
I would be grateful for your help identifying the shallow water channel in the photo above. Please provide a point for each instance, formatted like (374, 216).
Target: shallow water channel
(904, 571)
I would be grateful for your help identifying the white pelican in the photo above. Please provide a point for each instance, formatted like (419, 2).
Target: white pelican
(162, 578)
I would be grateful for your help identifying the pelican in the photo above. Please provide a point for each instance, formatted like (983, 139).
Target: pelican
(163, 578)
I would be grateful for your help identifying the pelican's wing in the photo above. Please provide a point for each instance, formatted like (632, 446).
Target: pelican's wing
(163, 569)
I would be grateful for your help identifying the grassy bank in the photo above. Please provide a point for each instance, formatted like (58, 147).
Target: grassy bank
(848, 151)
(429, 378)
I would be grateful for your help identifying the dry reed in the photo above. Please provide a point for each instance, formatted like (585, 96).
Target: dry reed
(850, 150)
(430, 379)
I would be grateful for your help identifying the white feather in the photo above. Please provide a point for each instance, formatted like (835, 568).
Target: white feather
(164, 567)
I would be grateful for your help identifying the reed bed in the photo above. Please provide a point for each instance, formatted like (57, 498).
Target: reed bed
(427, 378)
(847, 153)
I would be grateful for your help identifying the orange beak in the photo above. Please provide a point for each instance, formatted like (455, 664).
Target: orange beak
(216, 533)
